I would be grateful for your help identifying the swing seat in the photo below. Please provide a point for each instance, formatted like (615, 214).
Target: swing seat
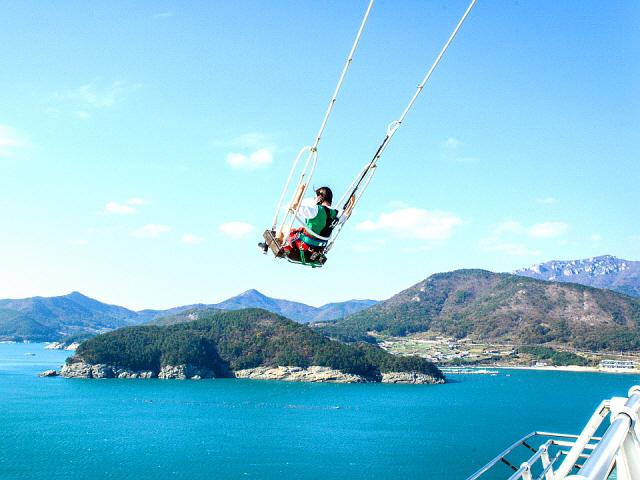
(307, 258)
(313, 259)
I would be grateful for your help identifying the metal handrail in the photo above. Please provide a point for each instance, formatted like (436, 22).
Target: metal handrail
(620, 445)
(521, 442)
(618, 448)
(592, 426)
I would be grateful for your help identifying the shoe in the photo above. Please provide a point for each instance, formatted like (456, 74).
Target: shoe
(264, 248)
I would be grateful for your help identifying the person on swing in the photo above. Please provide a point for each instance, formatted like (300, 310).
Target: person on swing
(319, 219)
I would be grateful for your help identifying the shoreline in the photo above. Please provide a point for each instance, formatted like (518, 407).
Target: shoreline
(312, 374)
(570, 368)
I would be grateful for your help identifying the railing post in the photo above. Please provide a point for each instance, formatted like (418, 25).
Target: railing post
(545, 463)
(628, 458)
(588, 431)
(526, 471)
(619, 446)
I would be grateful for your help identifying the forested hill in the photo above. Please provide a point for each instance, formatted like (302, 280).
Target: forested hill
(503, 307)
(50, 318)
(228, 341)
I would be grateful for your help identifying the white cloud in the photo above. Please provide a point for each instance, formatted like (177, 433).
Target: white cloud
(245, 141)
(115, 208)
(414, 223)
(507, 237)
(596, 237)
(236, 229)
(126, 208)
(99, 98)
(9, 141)
(166, 14)
(547, 229)
(249, 151)
(547, 201)
(256, 159)
(137, 201)
(495, 244)
(90, 97)
(452, 150)
(80, 242)
(192, 239)
(151, 230)
(452, 143)
(251, 140)
(538, 230)
(369, 246)
(82, 115)
(509, 226)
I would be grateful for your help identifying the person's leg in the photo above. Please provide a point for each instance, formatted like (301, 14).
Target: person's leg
(292, 240)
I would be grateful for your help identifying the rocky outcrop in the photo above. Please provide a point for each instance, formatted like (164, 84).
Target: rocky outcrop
(76, 370)
(299, 374)
(288, 373)
(48, 373)
(62, 346)
(124, 373)
(410, 377)
(184, 372)
(101, 370)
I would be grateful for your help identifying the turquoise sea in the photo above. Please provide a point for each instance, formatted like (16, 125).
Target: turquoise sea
(56, 428)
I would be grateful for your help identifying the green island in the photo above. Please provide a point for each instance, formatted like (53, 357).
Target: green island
(250, 343)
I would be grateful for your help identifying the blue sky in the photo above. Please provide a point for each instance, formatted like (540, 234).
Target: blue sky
(143, 145)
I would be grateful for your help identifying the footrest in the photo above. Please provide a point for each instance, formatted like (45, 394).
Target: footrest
(273, 243)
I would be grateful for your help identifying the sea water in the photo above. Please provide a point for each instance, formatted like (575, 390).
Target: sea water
(58, 428)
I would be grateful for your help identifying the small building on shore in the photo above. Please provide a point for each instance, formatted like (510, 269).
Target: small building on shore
(608, 364)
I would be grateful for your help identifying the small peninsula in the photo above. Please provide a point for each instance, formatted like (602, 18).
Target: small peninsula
(250, 343)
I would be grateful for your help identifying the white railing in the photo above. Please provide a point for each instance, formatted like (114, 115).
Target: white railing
(619, 448)
(580, 457)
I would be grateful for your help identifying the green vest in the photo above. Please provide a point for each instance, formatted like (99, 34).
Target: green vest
(321, 223)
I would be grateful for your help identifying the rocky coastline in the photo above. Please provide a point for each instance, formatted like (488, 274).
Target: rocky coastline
(62, 346)
(314, 374)
(411, 378)
(298, 374)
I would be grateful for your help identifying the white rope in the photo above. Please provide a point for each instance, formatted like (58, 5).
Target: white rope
(313, 149)
(284, 190)
(433, 67)
(368, 172)
(342, 75)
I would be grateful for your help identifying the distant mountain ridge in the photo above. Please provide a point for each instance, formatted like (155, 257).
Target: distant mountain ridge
(52, 318)
(502, 308)
(293, 310)
(605, 271)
